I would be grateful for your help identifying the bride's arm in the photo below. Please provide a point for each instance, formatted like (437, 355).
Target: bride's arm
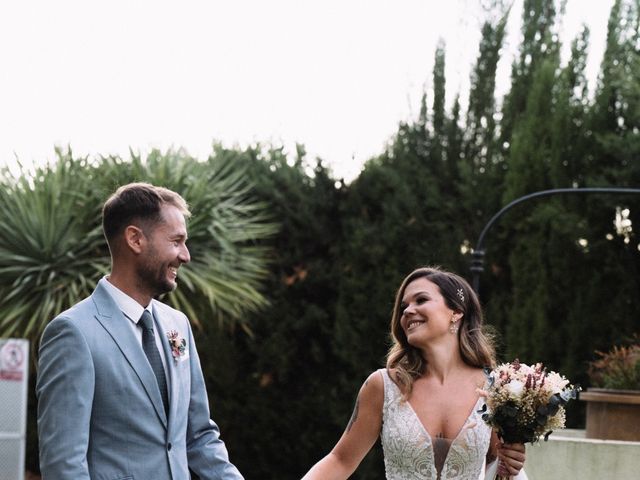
(359, 436)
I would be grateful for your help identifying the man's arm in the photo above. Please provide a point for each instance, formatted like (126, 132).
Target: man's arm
(206, 452)
(64, 388)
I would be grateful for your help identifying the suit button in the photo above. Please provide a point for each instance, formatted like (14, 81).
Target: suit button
(169, 446)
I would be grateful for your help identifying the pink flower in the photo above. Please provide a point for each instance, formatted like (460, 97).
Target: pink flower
(177, 343)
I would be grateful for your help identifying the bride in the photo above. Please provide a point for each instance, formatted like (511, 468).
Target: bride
(425, 404)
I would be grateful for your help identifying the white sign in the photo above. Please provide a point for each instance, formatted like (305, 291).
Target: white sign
(14, 377)
(13, 360)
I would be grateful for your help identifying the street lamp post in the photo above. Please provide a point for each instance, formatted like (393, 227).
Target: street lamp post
(477, 257)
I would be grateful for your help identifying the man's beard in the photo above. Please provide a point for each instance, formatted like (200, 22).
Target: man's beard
(153, 276)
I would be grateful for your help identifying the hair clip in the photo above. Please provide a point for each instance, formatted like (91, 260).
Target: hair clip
(461, 295)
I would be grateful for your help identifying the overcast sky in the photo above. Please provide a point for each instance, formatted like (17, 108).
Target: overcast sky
(335, 75)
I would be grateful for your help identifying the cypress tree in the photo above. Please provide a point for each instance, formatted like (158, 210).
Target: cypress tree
(615, 119)
(480, 166)
(439, 91)
(539, 41)
(529, 160)
(480, 169)
(569, 130)
(526, 304)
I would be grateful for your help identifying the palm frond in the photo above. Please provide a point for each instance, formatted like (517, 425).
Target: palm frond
(52, 251)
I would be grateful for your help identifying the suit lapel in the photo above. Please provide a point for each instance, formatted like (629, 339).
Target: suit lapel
(164, 325)
(116, 324)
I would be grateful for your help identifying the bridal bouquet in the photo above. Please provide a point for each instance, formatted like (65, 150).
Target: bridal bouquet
(524, 403)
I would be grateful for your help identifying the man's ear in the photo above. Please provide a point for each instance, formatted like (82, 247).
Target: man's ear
(134, 239)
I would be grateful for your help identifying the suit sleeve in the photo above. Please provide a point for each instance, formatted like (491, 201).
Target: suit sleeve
(64, 388)
(206, 452)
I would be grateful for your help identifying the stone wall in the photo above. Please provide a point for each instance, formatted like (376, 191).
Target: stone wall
(569, 455)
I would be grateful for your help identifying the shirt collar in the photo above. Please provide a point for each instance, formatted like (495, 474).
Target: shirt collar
(130, 307)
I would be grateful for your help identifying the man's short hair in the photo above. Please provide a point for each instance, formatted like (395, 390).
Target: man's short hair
(137, 203)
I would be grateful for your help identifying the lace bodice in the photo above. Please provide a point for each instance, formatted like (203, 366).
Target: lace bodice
(410, 453)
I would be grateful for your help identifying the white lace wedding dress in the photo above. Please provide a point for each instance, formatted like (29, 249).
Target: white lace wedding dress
(411, 454)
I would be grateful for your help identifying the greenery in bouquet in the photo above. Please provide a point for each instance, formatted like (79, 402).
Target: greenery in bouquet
(524, 403)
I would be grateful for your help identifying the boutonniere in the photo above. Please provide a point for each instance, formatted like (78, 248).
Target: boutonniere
(178, 344)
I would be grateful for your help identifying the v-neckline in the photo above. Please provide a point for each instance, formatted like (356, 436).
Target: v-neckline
(415, 414)
(430, 438)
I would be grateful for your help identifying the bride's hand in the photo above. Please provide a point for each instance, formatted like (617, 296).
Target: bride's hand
(512, 456)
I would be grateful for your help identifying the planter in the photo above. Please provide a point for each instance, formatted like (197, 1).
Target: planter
(612, 414)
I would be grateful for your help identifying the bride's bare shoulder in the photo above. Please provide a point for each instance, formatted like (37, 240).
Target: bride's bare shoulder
(375, 380)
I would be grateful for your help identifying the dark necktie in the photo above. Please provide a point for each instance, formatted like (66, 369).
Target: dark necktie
(153, 355)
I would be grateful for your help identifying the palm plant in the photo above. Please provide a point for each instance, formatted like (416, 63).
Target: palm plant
(52, 251)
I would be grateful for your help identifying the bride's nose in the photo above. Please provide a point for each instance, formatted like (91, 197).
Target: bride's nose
(409, 309)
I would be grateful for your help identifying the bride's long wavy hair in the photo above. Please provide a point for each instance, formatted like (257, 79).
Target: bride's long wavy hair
(475, 343)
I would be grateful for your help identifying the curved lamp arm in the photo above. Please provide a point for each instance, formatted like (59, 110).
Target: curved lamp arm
(477, 257)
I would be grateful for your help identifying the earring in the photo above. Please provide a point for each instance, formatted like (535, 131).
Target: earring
(453, 328)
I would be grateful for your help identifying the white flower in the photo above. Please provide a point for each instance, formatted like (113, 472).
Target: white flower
(556, 382)
(515, 387)
(526, 370)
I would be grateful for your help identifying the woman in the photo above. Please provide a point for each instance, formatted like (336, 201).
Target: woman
(425, 404)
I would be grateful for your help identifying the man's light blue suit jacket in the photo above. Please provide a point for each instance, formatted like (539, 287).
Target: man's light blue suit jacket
(100, 415)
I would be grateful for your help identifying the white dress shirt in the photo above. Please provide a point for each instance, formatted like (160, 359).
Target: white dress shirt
(133, 311)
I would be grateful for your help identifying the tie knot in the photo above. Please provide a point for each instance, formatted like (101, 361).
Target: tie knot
(146, 321)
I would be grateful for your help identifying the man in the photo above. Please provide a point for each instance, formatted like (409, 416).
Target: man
(120, 390)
